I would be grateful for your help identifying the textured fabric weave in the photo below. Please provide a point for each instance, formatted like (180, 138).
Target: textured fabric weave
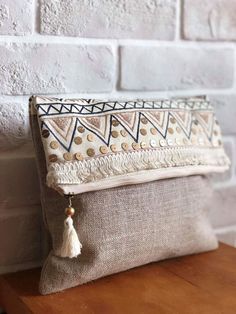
(124, 227)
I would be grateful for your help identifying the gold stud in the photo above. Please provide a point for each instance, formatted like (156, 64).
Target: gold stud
(144, 120)
(143, 131)
(194, 131)
(185, 141)
(114, 134)
(103, 149)
(178, 129)
(193, 141)
(219, 142)
(113, 148)
(54, 144)
(81, 129)
(52, 158)
(215, 133)
(115, 123)
(172, 120)
(45, 133)
(79, 156)
(143, 145)
(125, 146)
(123, 133)
(78, 140)
(90, 152)
(135, 145)
(90, 137)
(68, 156)
(170, 130)
(153, 131)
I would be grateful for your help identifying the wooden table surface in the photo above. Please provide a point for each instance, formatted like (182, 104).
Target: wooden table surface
(203, 283)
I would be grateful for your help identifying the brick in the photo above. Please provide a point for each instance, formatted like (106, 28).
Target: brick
(55, 68)
(225, 109)
(168, 68)
(20, 238)
(16, 17)
(229, 146)
(222, 208)
(19, 183)
(209, 20)
(148, 19)
(14, 126)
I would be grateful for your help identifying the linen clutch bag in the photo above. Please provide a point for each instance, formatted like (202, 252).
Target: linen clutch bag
(94, 145)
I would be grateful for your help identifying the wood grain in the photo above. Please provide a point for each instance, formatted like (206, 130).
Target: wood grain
(203, 283)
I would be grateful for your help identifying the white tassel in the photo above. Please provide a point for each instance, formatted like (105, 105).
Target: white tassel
(71, 246)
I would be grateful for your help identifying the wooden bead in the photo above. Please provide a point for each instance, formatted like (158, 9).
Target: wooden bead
(69, 211)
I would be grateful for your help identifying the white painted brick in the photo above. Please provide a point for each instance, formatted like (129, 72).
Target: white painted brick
(19, 183)
(209, 20)
(225, 108)
(223, 207)
(55, 68)
(20, 238)
(14, 126)
(16, 17)
(148, 19)
(169, 68)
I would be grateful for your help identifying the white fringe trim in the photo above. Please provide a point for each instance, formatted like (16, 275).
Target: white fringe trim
(96, 169)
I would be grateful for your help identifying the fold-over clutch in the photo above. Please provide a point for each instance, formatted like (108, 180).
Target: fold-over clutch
(92, 145)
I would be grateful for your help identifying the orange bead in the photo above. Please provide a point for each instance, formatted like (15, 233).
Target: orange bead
(69, 211)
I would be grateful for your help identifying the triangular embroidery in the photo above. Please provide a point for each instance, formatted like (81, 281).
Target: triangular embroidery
(130, 121)
(62, 130)
(100, 126)
(159, 119)
(206, 120)
(184, 119)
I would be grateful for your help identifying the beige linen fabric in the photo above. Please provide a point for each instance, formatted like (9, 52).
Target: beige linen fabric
(125, 227)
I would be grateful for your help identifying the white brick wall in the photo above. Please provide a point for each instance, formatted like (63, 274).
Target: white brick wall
(106, 49)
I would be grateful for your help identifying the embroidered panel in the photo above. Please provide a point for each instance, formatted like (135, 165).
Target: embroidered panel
(90, 140)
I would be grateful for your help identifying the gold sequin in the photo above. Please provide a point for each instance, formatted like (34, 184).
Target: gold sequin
(67, 156)
(81, 129)
(52, 158)
(172, 120)
(153, 143)
(170, 130)
(103, 149)
(135, 145)
(144, 120)
(115, 123)
(143, 131)
(78, 140)
(79, 156)
(90, 137)
(114, 134)
(45, 133)
(123, 133)
(178, 129)
(143, 145)
(54, 144)
(113, 148)
(125, 146)
(90, 152)
(185, 141)
(153, 131)
(162, 142)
